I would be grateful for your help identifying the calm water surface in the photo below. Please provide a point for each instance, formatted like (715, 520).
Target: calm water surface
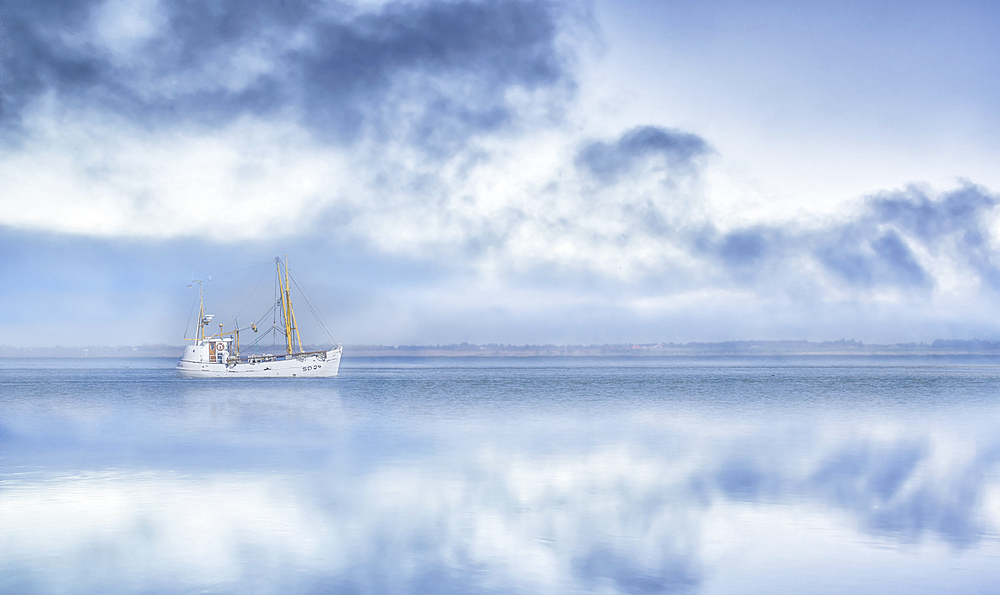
(680, 475)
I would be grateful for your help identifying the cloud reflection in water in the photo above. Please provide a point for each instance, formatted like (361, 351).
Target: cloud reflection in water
(233, 489)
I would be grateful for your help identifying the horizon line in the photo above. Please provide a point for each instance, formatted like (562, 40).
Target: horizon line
(731, 347)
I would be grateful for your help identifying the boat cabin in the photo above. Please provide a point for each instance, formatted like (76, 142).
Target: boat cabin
(214, 350)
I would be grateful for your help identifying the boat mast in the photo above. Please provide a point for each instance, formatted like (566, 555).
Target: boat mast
(284, 305)
(199, 335)
(291, 327)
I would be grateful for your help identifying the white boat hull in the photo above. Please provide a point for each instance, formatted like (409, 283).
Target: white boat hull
(324, 364)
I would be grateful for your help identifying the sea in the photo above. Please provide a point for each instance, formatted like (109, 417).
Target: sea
(722, 475)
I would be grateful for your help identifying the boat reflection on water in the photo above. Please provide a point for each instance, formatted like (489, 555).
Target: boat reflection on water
(507, 479)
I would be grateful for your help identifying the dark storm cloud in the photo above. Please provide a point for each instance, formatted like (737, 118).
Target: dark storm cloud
(334, 66)
(609, 161)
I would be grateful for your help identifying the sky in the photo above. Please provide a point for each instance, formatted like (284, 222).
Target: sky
(503, 171)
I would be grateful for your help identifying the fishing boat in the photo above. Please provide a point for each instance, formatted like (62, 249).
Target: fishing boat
(221, 355)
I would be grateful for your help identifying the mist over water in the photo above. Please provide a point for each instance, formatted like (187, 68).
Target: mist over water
(679, 475)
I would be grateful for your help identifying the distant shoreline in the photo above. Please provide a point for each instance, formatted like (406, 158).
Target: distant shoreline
(728, 348)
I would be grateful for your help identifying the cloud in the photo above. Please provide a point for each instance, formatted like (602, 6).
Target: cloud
(441, 70)
(603, 267)
(869, 261)
(880, 245)
(238, 120)
(439, 136)
(959, 219)
(406, 127)
(609, 161)
(896, 240)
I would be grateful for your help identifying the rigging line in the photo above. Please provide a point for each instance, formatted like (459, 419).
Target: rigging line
(254, 344)
(258, 321)
(319, 318)
(256, 341)
(190, 315)
(250, 295)
(264, 315)
(260, 335)
(315, 312)
(312, 309)
(274, 319)
(243, 269)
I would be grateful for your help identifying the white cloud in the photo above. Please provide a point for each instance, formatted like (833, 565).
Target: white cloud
(399, 157)
(92, 173)
(122, 27)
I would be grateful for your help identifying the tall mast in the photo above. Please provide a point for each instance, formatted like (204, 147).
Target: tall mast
(199, 334)
(285, 305)
(288, 313)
